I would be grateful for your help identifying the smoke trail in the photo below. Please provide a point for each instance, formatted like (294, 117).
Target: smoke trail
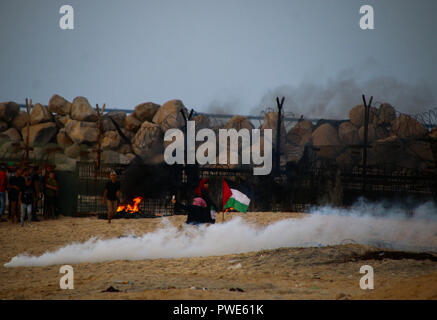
(364, 223)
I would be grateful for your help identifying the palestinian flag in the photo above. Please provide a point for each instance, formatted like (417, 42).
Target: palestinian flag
(234, 199)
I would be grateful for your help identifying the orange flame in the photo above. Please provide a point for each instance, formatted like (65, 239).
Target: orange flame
(129, 208)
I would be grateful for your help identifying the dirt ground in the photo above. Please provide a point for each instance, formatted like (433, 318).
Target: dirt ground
(287, 273)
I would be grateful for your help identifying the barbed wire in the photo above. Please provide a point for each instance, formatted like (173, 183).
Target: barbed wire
(427, 118)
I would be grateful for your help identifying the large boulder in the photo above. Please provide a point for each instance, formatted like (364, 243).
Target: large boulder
(356, 115)
(271, 122)
(169, 115)
(63, 139)
(407, 127)
(62, 120)
(239, 122)
(8, 111)
(110, 156)
(72, 151)
(40, 114)
(132, 123)
(422, 151)
(148, 141)
(301, 133)
(348, 134)
(386, 115)
(110, 140)
(128, 134)
(82, 132)
(118, 116)
(81, 110)
(3, 126)
(64, 163)
(201, 121)
(11, 134)
(381, 132)
(20, 120)
(40, 134)
(129, 157)
(124, 149)
(59, 105)
(345, 159)
(433, 133)
(396, 152)
(11, 149)
(293, 152)
(325, 138)
(371, 133)
(146, 111)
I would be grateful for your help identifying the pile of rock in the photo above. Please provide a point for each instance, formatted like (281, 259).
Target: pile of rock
(68, 131)
(395, 140)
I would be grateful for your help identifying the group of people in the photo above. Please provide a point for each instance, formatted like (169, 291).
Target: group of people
(21, 189)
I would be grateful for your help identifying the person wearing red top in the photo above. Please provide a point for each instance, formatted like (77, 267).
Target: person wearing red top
(3, 185)
(202, 191)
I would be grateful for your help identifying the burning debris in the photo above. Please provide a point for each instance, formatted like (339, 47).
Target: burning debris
(130, 210)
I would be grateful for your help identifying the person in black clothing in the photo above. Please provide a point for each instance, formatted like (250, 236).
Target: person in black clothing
(26, 200)
(36, 184)
(112, 194)
(15, 186)
(200, 211)
(203, 192)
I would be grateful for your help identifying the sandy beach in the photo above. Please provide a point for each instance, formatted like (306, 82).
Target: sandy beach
(329, 272)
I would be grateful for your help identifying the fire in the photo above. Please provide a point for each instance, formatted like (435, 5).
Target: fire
(131, 208)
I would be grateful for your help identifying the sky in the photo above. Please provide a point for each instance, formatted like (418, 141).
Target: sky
(222, 55)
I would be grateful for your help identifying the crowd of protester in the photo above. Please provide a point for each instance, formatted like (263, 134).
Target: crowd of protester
(25, 190)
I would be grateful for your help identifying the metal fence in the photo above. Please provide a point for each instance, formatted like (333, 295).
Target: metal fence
(298, 188)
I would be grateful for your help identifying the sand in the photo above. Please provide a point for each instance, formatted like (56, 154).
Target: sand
(287, 273)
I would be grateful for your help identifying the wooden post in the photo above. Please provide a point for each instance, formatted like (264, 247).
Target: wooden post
(100, 130)
(27, 146)
(278, 136)
(365, 146)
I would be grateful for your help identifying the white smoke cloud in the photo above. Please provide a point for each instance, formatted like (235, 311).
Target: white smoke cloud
(363, 223)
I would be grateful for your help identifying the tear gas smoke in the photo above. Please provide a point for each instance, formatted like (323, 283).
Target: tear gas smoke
(364, 223)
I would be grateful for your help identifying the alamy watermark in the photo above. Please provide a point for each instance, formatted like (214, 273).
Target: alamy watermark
(366, 281)
(206, 153)
(66, 22)
(67, 280)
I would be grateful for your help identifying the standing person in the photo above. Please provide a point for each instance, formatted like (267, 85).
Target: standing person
(25, 173)
(26, 199)
(15, 185)
(36, 183)
(10, 173)
(3, 186)
(45, 177)
(112, 193)
(51, 194)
